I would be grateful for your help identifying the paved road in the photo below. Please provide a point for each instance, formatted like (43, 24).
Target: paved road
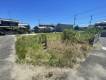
(6, 48)
(103, 41)
(94, 68)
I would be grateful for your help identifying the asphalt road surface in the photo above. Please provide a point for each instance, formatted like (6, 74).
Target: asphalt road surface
(94, 67)
(6, 48)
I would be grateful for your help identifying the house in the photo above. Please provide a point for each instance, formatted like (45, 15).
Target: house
(46, 28)
(61, 27)
(10, 26)
(8, 22)
(101, 25)
(24, 27)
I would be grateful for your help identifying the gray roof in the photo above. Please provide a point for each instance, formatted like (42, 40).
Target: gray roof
(2, 19)
(46, 25)
(23, 24)
(67, 25)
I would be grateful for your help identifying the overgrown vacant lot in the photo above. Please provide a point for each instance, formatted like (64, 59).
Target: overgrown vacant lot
(52, 49)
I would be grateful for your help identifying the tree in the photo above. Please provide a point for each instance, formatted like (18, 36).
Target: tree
(28, 28)
(91, 33)
(36, 29)
(76, 27)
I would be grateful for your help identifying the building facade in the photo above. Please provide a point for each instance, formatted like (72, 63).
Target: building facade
(46, 28)
(61, 27)
(8, 22)
(10, 26)
(101, 25)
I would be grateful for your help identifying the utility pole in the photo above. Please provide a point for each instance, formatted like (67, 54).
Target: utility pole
(75, 18)
(38, 22)
(91, 18)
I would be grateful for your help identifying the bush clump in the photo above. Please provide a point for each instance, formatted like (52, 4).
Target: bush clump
(55, 52)
(69, 34)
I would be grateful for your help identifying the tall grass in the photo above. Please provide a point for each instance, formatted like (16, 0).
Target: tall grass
(29, 49)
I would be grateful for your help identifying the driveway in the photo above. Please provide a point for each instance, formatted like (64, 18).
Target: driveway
(6, 49)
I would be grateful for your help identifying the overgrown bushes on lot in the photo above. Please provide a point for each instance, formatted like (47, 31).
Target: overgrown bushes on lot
(67, 55)
(29, 49)
(69, 34)
(73, 36)
(86, 36)
(90, 34)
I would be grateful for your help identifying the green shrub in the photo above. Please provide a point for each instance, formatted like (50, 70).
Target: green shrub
(26, 45)
(69, 34)
(92, 32)
(29, 49)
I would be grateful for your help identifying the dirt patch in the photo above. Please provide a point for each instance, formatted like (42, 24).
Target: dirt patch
(28, 72)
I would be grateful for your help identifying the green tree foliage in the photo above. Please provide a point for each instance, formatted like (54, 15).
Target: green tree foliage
(76, 27)
(93, 30)
(76, 36)
(36, 29)
(28, 28)
(69, 34)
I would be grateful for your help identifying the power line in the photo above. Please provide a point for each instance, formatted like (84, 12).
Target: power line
(86, 12)
(92, 10)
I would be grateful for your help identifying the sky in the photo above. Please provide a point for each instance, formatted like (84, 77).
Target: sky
(34, 12)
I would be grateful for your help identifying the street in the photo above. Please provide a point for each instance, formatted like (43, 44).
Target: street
(6, 49)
